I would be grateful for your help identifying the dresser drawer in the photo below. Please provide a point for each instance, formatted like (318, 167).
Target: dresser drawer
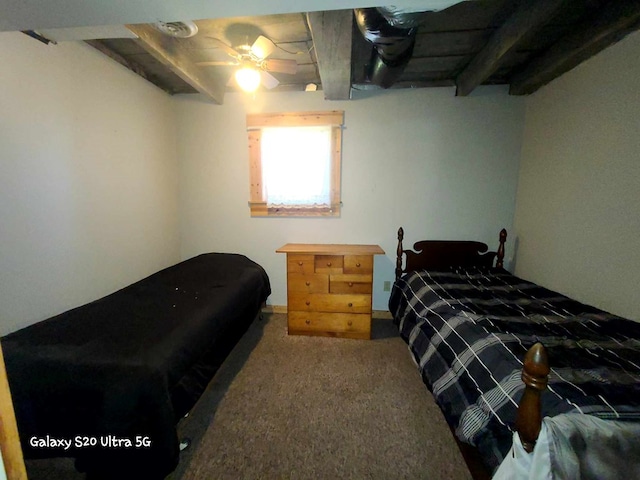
(350, 325)
(358, 264)
(326, 302)
(300, 263)
(329, 263)
(343, 283)
(303, 283)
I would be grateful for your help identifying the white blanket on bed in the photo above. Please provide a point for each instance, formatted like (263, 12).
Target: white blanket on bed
(574, 447)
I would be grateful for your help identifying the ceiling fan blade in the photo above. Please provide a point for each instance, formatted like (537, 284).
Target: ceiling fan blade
(268, 80)
(262, 47)
(215, 64)
(225, 47)
(282, 66)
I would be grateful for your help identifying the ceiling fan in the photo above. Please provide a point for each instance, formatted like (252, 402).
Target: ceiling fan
(254, 63)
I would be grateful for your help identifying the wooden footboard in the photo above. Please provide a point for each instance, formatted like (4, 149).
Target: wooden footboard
(535, 375)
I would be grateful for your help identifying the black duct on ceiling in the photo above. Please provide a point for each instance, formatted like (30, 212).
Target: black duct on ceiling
(393, 35)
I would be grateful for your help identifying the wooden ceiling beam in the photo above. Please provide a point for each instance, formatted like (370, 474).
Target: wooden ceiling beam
(172, 54)
(524, 21)
(331, 33)
(609, 25)
(360, 55)
(129, 64)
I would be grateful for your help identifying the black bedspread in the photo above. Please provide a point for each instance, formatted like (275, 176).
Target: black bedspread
(468, 332)
(125, 367)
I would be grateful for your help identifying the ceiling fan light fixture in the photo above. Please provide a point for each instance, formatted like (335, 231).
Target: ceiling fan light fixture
(248, 79)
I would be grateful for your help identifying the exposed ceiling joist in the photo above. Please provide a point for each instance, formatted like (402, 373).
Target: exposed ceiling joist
(523, 22)
(609, 25)
(489, 42)
(331, 33)
(172, 54)
(98, 45)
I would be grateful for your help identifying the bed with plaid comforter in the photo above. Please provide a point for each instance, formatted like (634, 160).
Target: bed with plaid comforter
(469, 329)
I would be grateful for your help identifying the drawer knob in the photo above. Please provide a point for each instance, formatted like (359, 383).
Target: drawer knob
(350, 304)
(350, 323)
(358, 264)
(307, 321)
(300, 263)
(328, 264)
(307, 302)
(351, 284)
(307, 283)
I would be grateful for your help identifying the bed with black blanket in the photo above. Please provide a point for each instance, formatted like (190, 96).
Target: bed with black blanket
(468, 326)
(107, 382)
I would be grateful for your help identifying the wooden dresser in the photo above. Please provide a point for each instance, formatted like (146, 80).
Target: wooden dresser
(329, 289)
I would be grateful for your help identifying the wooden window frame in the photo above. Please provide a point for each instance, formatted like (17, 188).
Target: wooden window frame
(255, 123)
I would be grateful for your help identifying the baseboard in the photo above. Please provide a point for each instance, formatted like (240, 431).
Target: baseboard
(378, 314)
(274, 309)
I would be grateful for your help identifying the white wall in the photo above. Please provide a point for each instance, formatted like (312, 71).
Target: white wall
(578, 203)
(440, 166)
(88, 178)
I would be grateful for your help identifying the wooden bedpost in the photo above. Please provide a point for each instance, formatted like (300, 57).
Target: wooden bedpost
(399, 253)
(500, 254)
(535, 374)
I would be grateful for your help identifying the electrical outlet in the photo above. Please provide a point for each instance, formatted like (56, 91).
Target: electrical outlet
(387, 286)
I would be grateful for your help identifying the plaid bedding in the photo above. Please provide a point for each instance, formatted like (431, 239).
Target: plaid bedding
(468, 331)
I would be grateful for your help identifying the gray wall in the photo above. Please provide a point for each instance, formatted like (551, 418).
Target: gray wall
(88, 178)
(578, 205)
(440, 166)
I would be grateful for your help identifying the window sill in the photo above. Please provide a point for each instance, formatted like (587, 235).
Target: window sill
(262, 210)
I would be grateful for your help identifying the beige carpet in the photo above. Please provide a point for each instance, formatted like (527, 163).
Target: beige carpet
(312, 407)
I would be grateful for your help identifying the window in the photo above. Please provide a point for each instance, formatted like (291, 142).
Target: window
(295, 163)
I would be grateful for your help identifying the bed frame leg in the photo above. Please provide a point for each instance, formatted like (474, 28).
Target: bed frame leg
(535, 375)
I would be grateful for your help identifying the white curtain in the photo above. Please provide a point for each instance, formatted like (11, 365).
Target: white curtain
(296, 165)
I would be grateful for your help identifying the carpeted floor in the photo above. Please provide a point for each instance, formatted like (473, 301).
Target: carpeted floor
(311, 407)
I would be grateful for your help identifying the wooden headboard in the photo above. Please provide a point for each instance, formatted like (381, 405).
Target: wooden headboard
(442, 254)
